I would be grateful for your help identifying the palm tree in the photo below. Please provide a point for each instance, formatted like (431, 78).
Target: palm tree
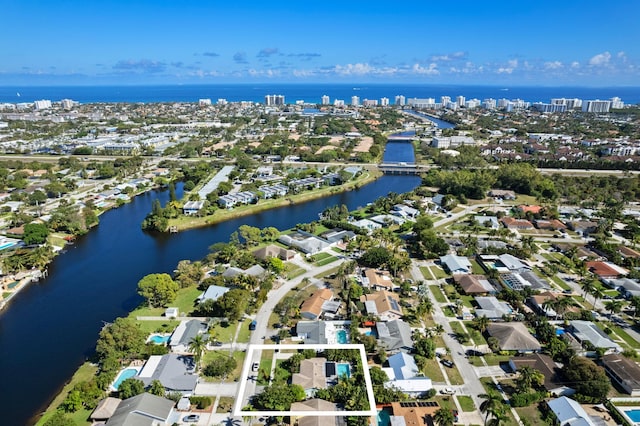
(613, 306)
(597, 295)
(559, 305)
(444, 417)
(587, 286)
(498, 419)
(635, 303)
(491, 405)
(481, 323)
(529, 378)
(197, 346)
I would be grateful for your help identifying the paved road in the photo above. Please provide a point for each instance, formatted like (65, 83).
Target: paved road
(262, 317)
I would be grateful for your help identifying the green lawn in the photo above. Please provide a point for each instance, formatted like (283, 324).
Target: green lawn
(425, 273)
(320, 256)
(475, 335)
(209, 356)
(224, 332)
(185, 302)
(437, 294)
(225, 404)
(326, 261)
(466, 403)
(454, 376)
(245, 334)
(625, 336)
(476, 268)
(153, 326)
(532, 415)
(292, 271)
(432, 371)
(438, 272)
(84, 373)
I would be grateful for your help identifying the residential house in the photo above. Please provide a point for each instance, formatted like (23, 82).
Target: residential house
(367, 225)
(456, 264)
(395, 335)
(377, 280)
(316, 405)
(487, 221)
(502, 194)
(320, 332)
(183, 334)
(587, 331)
(551, 225)
(412, 413)
(192, 207)
(271, 191)
(524, 208)
(628, 252)
(321, 301)
(312, 375)
(569, 412)
(554, 383)
(405, 211)
(514, 336)
(538, 303)
(626, 286)
(583, 227)
(231, 200)
(492, 308)
(605, 270)
(338, 235)
(305, 242)
(386, 220)
(473, 284)
(175, 372)
(272, 250)
(403, 374)
(213, 292)
(518, 224)
(144, 409)
(624, 371)
(254, 271)
(105, 409)
(382, 304)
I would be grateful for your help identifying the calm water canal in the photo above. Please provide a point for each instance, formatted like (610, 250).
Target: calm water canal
(51, 327)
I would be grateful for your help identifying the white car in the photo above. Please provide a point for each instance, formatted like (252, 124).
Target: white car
(448, 391)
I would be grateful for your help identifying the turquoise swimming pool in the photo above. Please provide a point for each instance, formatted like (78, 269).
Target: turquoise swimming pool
(343, 370)
(159, 339)
(124, 375)
(341, 336)
(384, 418)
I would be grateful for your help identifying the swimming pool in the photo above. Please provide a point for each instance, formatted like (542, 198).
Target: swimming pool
(125, 374)
(341, 336)
(384, 418)
(159, 339)
(633, 413)
(343, 370)
(7, 245)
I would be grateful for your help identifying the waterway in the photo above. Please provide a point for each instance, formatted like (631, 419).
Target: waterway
(440, 123)
(50, 327)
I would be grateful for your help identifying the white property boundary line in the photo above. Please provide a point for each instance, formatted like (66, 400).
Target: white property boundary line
(237, 408)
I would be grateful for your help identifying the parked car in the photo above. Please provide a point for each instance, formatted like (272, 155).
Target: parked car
(255, 366)
(191, 418)
(448, 391)
(447, 363)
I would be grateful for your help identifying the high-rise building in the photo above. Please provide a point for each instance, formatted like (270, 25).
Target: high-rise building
(616, 103)
(384, 101)
(596, 106)
(42, 104)
(400, 100)
(460, 100)
(338, 102)
(355, 101)
(542, 107)
(204, 102)
(67, 103)
(326, 100)
(271, 100)
(444, 100)
(370, 102)
(570, 103)
(222, 101)
(489, 103)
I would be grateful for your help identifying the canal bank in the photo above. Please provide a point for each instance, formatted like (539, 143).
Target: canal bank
(51, 328)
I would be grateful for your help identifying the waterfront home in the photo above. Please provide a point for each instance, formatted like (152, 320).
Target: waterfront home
(185, 332)
(271, 191)
(382, 304)
(144, 409)
(367, 225)
(405, 211)
(272, 250)
(174, 371)
(213, 292)
(105, 409)
(231, 200)
(192, 207)
(304, 241)
(513, 336)
(254, 271)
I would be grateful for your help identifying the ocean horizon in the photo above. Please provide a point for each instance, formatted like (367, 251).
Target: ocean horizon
(310, 93)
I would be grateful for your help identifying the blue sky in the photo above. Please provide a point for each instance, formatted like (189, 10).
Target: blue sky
(544, 42)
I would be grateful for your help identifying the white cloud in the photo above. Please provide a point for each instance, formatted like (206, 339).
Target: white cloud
(553, 65)
(600, 60)
(432, 69)
(575, 64)
(455, 56)
(353, 69)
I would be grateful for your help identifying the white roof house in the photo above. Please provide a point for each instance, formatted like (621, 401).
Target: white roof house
(492, 308)
(456, 264)
(588, 331)
(569, 412)
(403, 365)
(214, 292)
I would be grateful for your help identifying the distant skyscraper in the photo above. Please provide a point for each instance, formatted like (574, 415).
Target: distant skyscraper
(326, 100)
(400, 100)
(370, 102)
(67, 103)
(444, 100)
(355, 101)
(616, 103)
(42, 104)
(271, 100)
(204, 102)
(596, 106)
(222, 101)
(489, 103)
(338, 102)
(384, 102)
(460, 100)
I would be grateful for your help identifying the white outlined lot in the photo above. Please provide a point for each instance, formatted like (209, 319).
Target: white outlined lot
(246, 371)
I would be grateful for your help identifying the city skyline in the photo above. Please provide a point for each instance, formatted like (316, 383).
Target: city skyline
(466, 42)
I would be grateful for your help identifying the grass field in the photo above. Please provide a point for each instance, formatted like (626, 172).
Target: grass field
(466, 403)
(432, 371)
(437, 294)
